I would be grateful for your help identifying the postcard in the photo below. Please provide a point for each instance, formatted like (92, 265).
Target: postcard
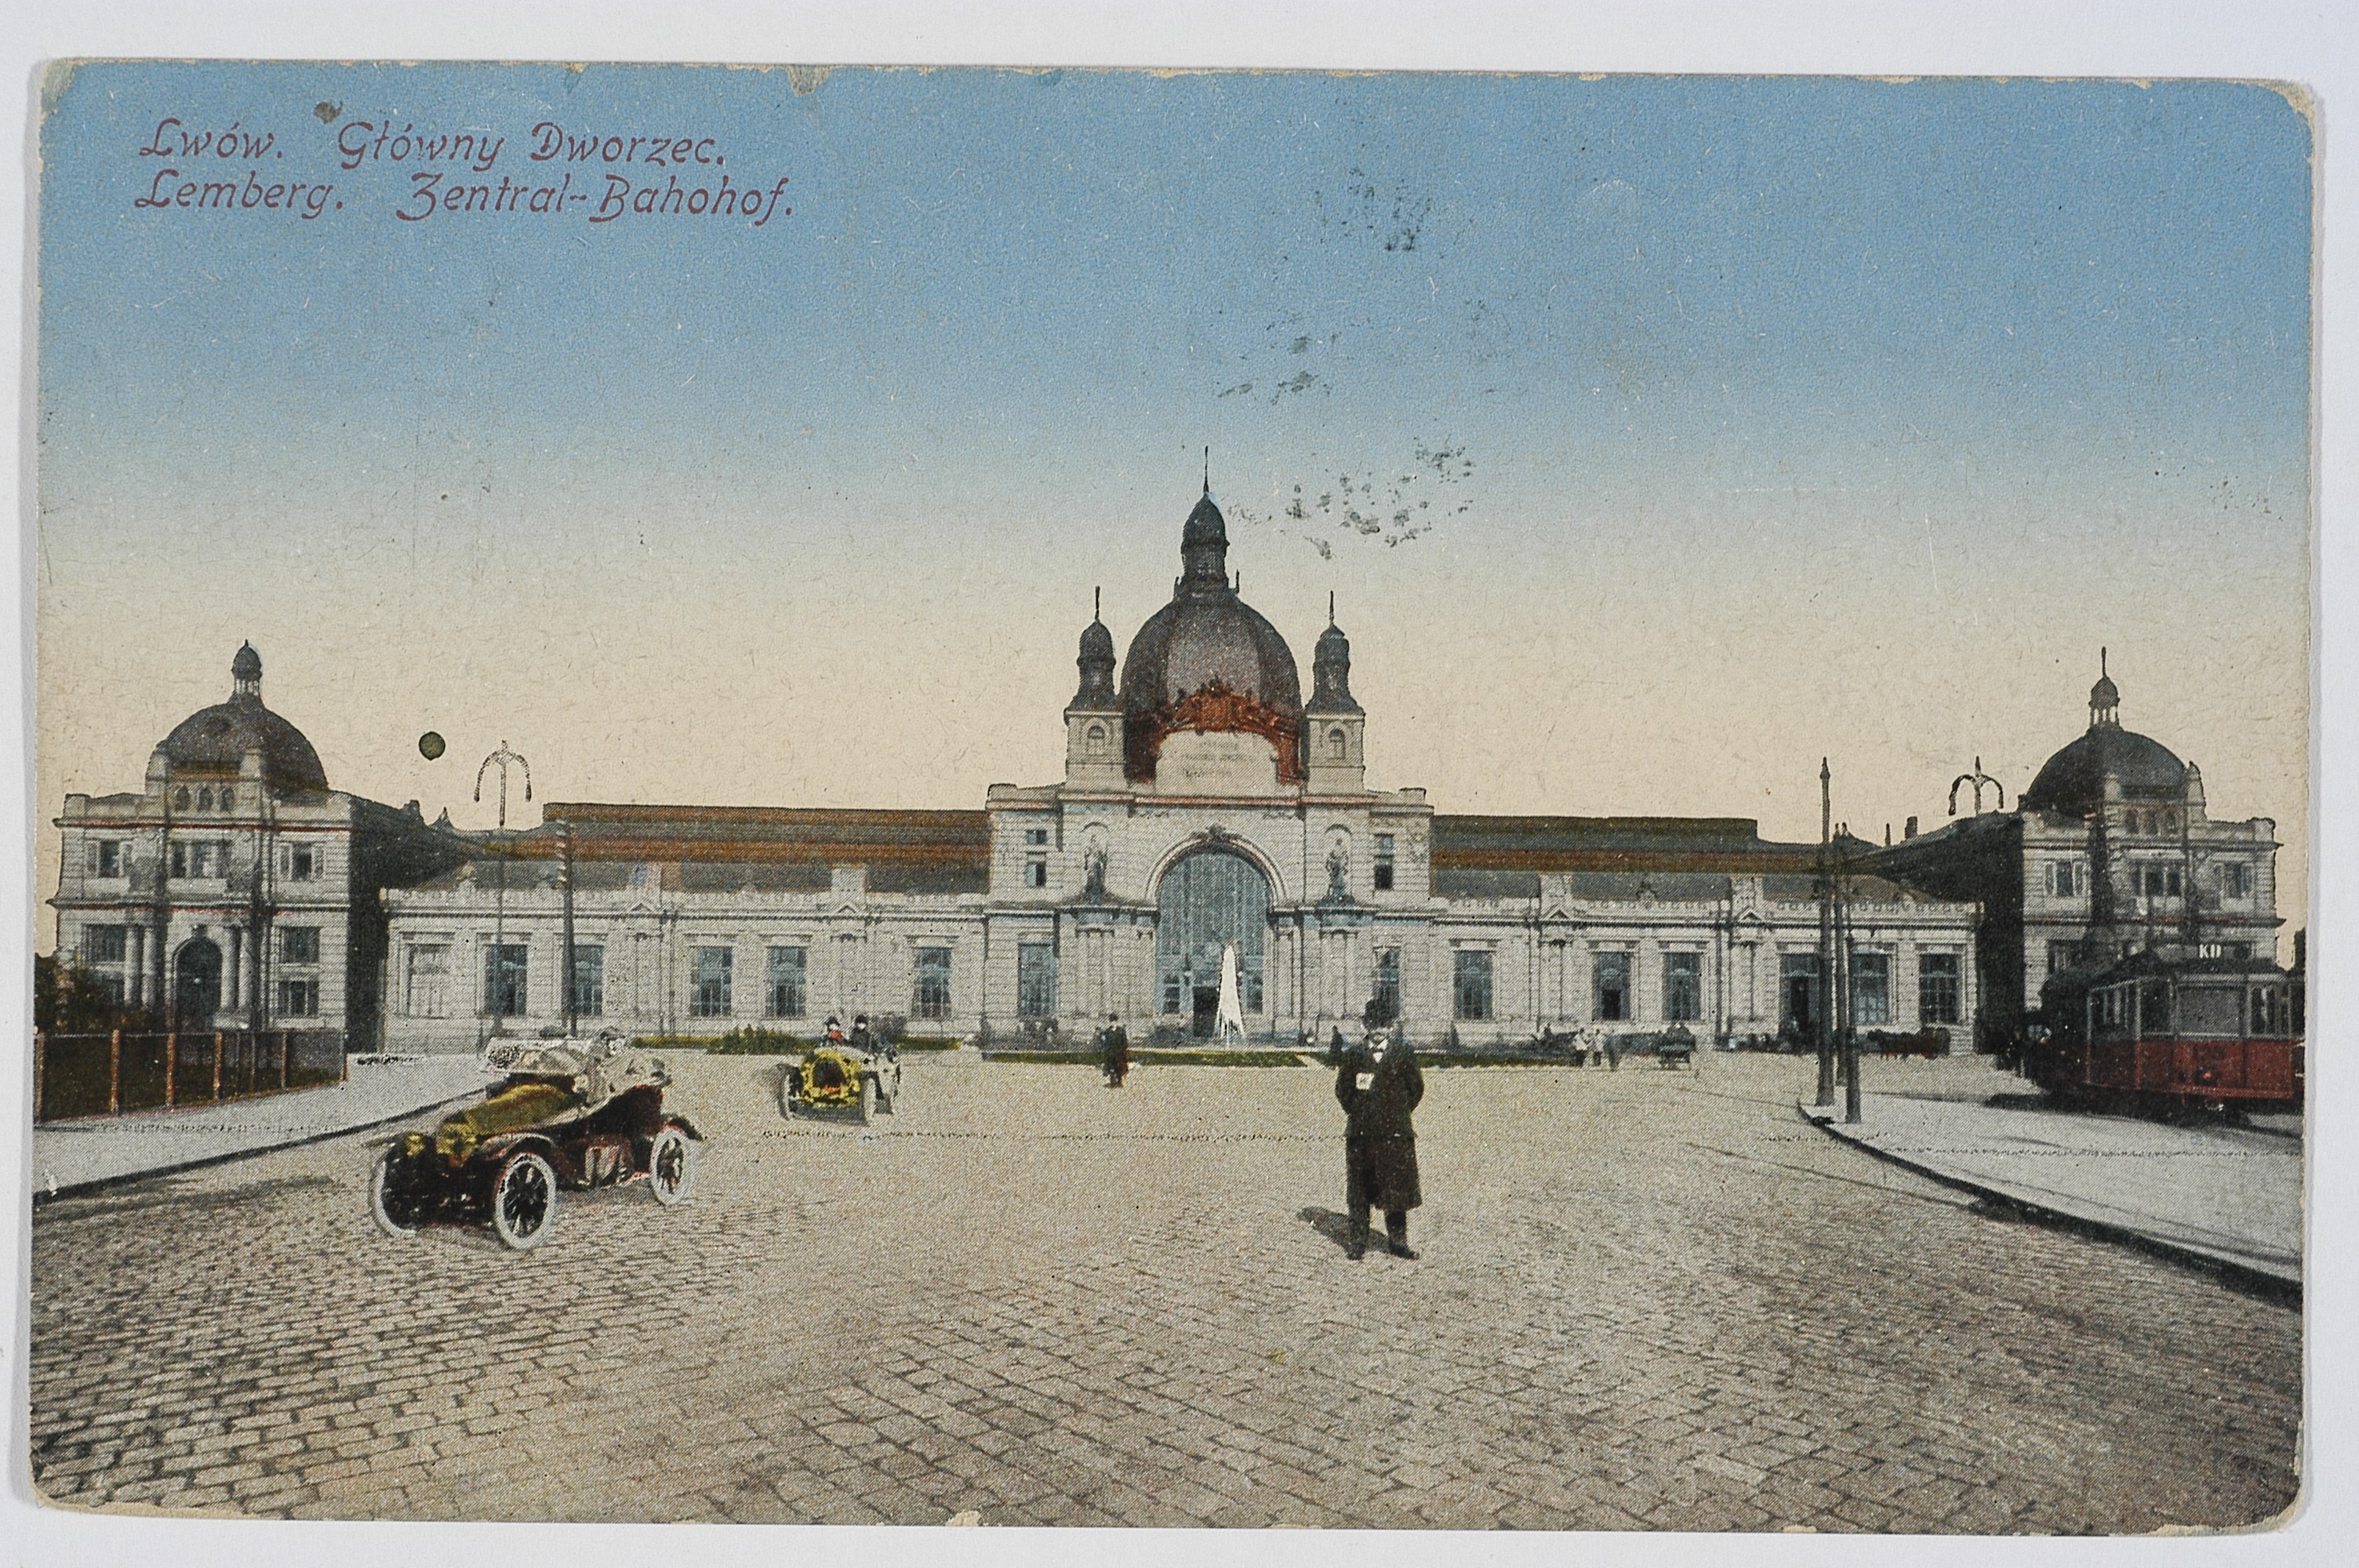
(1208, 799)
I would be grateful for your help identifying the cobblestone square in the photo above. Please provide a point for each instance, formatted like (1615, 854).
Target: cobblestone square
(1646, 1299)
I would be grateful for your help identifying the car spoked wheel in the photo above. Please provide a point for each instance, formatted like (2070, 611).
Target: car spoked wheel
(671, 1173)
(387, 1206)
(523, 1202)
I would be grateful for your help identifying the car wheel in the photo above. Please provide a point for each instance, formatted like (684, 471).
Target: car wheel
(391, 1213)
(867, 1100)
(523, 1202)
(671, 1174)
(788, 1098)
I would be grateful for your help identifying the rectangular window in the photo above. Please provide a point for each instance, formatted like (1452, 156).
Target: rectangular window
(1612, 988)
(1470, 987)
(103, 944)
(298, 944)
(2062, 955)
(1384, 866)
(1937, 987)
(1036, 872)
(1682, 987)
(1036, 981)
(425, 992)
(2170, 882)
(298, 998)
(789, 967)
(2236, 880)
(1389, 982)
(709, 993)
(2064, 879)
(503, 980)
(931, 995)
(1036, 835)
(179, 860)
(105, 985)
(589, 980)
(1871, 989)
(105, 857)
(302, 862)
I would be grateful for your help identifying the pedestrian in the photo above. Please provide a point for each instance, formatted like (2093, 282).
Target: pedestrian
(1613, 1052)
(1113, 1051)
(1378, 1085)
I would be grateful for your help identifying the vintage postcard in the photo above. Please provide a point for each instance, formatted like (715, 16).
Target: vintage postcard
(1205, 799)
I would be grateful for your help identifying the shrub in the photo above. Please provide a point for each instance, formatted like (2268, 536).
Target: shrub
(744, 1041)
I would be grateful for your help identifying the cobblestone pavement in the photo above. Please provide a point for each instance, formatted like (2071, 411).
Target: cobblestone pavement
(1647, 1299)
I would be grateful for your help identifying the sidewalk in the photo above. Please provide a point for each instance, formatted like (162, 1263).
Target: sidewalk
(2227, 1198)
(72, 1157)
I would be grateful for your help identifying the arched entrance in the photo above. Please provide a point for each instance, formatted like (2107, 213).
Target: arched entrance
(1209, 899)
(197, 984)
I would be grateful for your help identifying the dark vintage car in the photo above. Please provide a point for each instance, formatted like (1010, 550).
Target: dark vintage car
(572, 1113)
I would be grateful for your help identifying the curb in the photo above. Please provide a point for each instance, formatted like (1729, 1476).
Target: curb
(2244, 1277)
(82, 1189)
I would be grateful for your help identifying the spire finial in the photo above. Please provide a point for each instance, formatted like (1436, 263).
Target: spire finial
(1208, 470)
(2101, 660)
(1097, 604)
(1331, 607)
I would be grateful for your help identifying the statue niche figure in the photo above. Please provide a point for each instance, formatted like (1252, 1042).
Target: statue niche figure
(1339, 874)
(1094, 869)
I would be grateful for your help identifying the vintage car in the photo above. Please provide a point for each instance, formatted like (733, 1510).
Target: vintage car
(562, 1113)
(840, 1075)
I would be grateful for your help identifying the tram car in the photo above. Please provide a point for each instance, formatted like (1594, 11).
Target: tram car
(2157, 1030)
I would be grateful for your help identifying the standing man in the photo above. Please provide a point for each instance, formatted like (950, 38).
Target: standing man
(1378, 1086)
(1113, 1047)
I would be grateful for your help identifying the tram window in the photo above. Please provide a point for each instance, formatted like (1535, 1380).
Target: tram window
(2209, 1010)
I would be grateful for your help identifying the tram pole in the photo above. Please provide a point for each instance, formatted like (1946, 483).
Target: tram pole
(1825, 987)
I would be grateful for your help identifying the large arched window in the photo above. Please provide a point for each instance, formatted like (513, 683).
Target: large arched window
(1211, 900)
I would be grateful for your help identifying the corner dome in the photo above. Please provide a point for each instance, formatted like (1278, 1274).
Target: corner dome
(215, 739)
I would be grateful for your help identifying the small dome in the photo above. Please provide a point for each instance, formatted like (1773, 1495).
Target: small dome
(1330, 673)
(1097, 643)
(2104, 694)
(216, 739)
(1096, 662)
(1205, 525)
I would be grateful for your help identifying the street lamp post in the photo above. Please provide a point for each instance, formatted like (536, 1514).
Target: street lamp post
(1826, 976)
(1977, 779)
(503, 760)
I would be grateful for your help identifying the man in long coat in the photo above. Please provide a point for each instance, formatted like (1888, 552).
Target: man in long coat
(1113, 1051)
(1378, 1085)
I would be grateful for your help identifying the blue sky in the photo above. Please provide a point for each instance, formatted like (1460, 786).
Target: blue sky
(1681, 413)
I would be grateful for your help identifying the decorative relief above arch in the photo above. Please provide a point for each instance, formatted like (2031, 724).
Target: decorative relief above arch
(1214, 709)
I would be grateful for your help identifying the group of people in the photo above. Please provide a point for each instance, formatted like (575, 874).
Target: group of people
(863, 1038)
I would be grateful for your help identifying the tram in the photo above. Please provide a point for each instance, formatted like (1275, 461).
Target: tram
(2159, 1031)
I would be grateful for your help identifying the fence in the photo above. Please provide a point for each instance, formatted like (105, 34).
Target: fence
(107, 1075)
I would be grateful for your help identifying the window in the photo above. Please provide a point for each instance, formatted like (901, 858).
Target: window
(1036, 835)
(1383, 864)
(228, 799)
(2062, 955)
(1871, 988)
(180, 798)
(1097, 736)
(2064, 879)
(102, 943)
(932, 995)
(1335, 744)
(1388, 981)
(1036, 872)
(1611, 986)
(298, 998)
(298, 944)
(1682, 987)
(1937, 987)
(201, 858)
(2236, 880)
(1036, 979)
(425, 992)
(204, 800)
(789, 968)
(105, 985)
(103, 858)
(2158, 882)
(503, 980)
(1471, 986)
(709, 992)
(589, 980)
(302, 862)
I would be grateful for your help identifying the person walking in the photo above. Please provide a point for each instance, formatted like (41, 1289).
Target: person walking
(1378, 1085)
(1113, 1051)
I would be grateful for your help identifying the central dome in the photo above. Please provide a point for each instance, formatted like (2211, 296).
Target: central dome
(1206, 636)
(2074, 782)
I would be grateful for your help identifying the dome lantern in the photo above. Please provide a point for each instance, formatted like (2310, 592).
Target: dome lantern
(1096, 662)
(2105, 698)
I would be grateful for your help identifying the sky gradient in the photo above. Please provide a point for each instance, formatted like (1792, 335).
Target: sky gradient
(1656, 434)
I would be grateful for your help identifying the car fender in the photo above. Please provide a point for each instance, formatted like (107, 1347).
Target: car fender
(673, 1119)
(490, 1154)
